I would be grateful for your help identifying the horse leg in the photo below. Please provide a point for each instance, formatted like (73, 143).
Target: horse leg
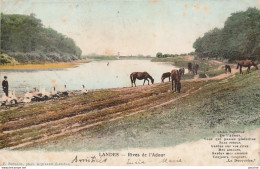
(241, 72)
(169, 79)
(131, 78)
(175, 85)
(148, 81)
(172, 85)
(144, 81)
(134, 82)
(248, 69)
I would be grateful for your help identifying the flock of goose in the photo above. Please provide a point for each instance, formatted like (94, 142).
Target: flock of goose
(36, 95)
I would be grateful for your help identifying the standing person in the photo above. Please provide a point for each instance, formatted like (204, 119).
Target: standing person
(5, 85)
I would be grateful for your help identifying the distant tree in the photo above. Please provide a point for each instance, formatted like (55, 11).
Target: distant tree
(159, 55)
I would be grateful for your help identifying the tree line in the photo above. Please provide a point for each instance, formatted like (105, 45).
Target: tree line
(24, 38)
(161, 55)
(239, 39)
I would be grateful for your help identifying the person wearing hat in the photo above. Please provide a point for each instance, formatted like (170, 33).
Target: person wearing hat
(5, 85)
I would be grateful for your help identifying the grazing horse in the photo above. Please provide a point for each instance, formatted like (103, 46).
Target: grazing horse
(246, 63)
(195, 69)
(175, 76)
(140, 76)
(227, 68)
(190, 67)
(166, 75)
(181, 71)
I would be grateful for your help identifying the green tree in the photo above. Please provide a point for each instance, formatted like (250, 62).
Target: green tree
(26, 39)
(240, 38)
(159, 55)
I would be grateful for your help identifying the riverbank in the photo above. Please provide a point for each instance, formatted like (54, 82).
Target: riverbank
(138, 117)
(45, 66)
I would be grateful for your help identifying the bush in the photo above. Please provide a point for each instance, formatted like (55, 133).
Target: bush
(4, 59)
(215, 72)
(202, 75)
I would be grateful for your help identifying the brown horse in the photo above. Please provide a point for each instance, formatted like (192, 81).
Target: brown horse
(175, 76)
(166, 75)
(195, 69)
(140, 76)
(246, 63)
(181, 71)
(190, 67)
(227, 68)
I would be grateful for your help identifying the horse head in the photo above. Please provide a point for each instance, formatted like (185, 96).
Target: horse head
(152, 80)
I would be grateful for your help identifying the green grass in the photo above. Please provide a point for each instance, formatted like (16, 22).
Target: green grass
(101, 57)
(202, 75)
(214, 73)
(187, 76)
(180, 61)
(231, 104)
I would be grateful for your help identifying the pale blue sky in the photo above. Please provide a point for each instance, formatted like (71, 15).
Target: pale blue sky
(131, 27)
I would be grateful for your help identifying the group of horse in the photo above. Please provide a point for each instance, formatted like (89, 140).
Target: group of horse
(175, 75)
(242, 63)
(193, 68)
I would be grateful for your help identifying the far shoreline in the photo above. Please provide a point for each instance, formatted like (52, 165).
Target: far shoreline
(44, 66)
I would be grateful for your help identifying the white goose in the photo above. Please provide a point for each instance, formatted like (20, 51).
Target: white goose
(28, 96)
(14, 99)
(84, 91)
(64, 91)
(54, 93)
(44, 93)
(3, 99)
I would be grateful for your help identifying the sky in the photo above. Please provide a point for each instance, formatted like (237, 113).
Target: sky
(131, 27)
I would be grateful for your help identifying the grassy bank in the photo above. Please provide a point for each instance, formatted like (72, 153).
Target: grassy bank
(182, 61)
(99, 58)
(214, 73)
(233, 105)
(61, 65)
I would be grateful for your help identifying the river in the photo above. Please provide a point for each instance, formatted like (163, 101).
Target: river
(94, 75)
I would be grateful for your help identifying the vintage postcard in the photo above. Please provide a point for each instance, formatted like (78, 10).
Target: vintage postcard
(130, 83)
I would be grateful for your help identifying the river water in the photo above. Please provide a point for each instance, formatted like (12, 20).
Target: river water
(94, 75)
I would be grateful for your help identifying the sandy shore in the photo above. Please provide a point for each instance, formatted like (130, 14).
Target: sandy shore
(45, 66)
